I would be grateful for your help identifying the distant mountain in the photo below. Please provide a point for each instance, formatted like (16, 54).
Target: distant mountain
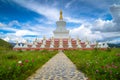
(5, 45)
(13, 44)
(114, 45)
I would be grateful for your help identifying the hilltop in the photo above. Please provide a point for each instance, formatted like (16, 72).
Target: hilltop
(5, 45)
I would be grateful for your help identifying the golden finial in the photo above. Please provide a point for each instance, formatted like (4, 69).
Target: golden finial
(61, 17)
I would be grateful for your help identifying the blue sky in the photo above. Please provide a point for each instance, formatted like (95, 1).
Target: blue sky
(28, 19)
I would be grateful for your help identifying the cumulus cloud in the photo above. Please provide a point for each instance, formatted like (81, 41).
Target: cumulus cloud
(84, 32)
(104, 26)
(24, 32)
(100, 29)
(2, 24)
(115, 11)
(49, 13)
(26, 29)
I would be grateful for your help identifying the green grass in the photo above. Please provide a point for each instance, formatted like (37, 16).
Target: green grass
(12, 69)
(97, 64)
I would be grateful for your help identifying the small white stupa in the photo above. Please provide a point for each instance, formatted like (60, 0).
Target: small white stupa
(33, 45)
(25, 45)
(105, 45)
(87, 44)
(43, 43)
(102, 45)
(78, 43)
(17, 45)
(52, 43)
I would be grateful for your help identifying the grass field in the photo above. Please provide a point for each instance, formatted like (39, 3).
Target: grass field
(97, 64)
(18, 65)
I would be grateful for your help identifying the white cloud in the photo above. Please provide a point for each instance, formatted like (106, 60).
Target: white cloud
(97, 30)
(6, 38)
(69, 3)
(9, 26)
(14, 22)
(115, 11)
(104, 25)
(85, 32)
(26, 29)
(40, 29)
(114, 41)
(49, 12)
(25, 32)
(110, 34)
(2, 25)
(8, 29)
(73, 20)
(13, 38)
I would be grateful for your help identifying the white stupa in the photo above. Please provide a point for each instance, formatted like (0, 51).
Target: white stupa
(87, 44)
(78, 43)
(34, 46)
(43, 42)
(52, 43)
(17, 45)
(25, 45)
(105, 45)
(61, 31)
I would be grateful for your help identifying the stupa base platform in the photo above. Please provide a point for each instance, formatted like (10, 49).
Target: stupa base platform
(51, 49)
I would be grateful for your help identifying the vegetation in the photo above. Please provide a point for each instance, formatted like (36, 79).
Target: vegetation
(5, 45)
(18, 65)
(97, 64)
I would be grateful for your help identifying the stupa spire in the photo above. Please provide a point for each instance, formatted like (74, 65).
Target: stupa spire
(61, 17)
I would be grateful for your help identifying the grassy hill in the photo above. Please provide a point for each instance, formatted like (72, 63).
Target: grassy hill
(5, 45)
